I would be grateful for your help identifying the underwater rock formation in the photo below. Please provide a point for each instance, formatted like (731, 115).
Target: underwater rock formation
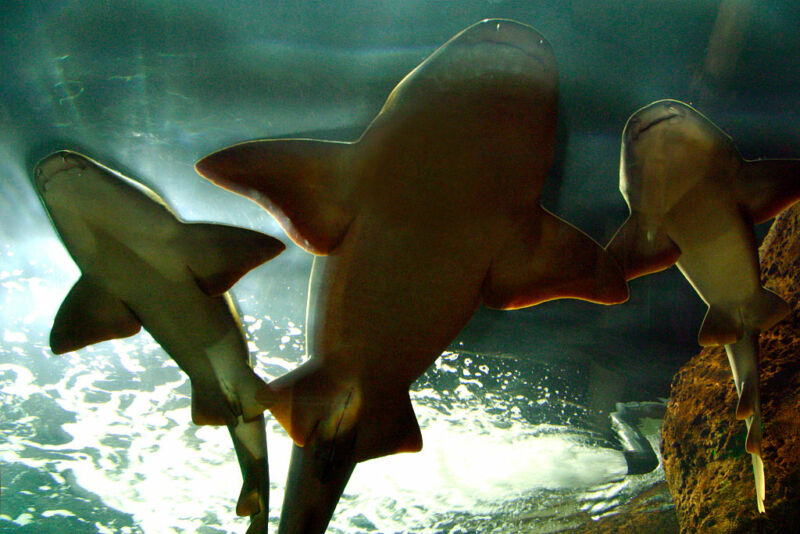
(707, 469)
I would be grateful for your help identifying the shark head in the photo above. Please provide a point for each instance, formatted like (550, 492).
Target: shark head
(71, 183)
(487, 54)
(53, 173)
(499, 70)
(666, 136)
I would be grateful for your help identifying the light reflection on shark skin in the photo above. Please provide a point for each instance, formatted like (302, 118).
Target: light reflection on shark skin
(143, 267)
(693, 201)
(431, 212)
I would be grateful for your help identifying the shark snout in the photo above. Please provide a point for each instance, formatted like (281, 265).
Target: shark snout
(56, 163)
(510, 33)
(652, 115)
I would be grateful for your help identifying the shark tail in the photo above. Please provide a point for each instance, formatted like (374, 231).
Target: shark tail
(250, 443)
(758, 473)
(743, 359)
(313, 407)
(753, 446)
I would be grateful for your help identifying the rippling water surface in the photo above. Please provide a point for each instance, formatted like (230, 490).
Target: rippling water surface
(515, 418)
(101, 439)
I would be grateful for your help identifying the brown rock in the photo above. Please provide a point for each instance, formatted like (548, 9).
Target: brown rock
(708, 471)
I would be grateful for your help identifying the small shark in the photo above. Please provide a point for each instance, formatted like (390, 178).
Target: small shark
(432, 211)
(693, 200)
(142, 266)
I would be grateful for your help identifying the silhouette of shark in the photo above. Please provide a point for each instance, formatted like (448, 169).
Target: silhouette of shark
(433, 210)
(693, 200)
(142, 266)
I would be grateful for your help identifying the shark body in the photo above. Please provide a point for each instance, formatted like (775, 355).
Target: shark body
(143, 267)
(693, 201)
(432, 211)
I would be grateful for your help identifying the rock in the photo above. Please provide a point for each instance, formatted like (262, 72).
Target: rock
(707, 469)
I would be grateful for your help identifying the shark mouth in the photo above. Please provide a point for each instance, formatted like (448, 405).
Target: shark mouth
(55, 164)
(657, 120)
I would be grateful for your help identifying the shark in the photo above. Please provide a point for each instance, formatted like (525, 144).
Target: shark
(693, 201)
(431, 212)
(141, 266)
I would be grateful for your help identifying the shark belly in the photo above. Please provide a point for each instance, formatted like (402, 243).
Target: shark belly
(198, 331)
(718, 254)
(391, 300)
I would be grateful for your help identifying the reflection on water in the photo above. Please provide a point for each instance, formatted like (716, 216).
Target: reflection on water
(515, 420)
(101, 439)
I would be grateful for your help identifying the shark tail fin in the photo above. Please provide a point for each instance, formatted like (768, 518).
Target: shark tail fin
(250, 443)
(309, 405)
(640, 250)
(765, 187)
(753, 446)
(719, 328)
(303, 183)
(758, 474)
(764, 310)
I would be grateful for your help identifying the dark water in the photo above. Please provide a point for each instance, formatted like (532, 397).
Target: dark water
(515, 419)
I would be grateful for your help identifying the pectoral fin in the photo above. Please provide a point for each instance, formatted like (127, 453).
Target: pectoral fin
(550, 259)
(642, 250)
(764, 310)
(766, 187)
(220, 255)
(88, 315)
(304, 183)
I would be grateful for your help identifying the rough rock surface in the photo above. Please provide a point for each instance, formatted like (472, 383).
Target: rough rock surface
(709, 474)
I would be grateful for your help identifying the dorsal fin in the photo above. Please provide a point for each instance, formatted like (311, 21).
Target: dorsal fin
(553, 260)
(766, 187)
(88, 315)
(303, 183)
(218, 255)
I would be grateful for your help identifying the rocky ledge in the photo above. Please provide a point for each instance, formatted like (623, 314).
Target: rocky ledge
(709, 474)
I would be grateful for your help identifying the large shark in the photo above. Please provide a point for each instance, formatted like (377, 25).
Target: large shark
(693, 200)
(433, 210)
(142, 266)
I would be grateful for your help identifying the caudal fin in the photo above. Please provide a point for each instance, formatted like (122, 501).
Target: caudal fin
(250, 443)
(761, 489)
(753, 446)
(743, 359)
(310, 404)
